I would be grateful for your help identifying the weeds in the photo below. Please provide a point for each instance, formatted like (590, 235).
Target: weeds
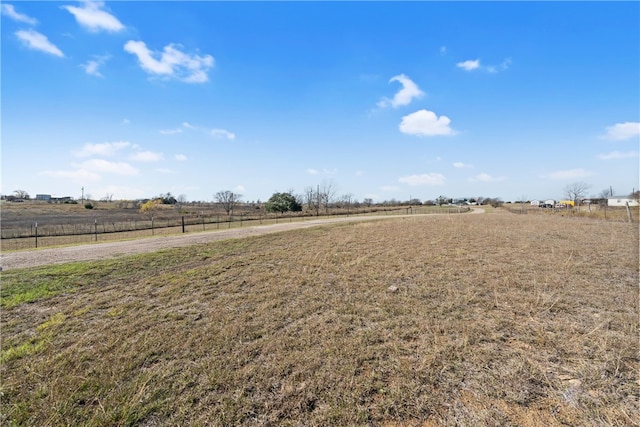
(497, 320)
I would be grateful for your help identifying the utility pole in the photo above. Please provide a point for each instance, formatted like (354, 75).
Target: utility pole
(82, 200)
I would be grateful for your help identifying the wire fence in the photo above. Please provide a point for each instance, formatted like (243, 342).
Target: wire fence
(41, 235)
(610, 213)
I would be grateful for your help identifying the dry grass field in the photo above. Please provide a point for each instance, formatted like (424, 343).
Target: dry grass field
(69, 224)
(493, 319)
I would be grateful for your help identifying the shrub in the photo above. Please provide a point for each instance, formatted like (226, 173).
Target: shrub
(88, 206)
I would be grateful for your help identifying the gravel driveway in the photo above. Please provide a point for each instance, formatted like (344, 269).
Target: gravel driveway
(97, 251)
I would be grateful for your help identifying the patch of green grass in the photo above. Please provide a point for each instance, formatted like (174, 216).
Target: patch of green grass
(25, 286)
(31, 285)
(36, 343)
(22, 350)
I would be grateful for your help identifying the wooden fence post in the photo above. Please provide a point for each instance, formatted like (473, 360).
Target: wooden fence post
(36, 234)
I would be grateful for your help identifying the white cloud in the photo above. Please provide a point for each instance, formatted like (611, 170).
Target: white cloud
(405, 95)
(569, 174)
(222, 133)
(423, 179)
(123, 192)
(469, 64)
(389, 188)
(105, 149)
(425, 123)
(443, 50)
(146, 156)
(485, 177)
(101, 165)
(166, 171)
(187, 125)
(10, 11)
(180, 157)
(618, 155)
(325, 171)
(91, 67)
(80, 175)
(126, 121)
(496, 68)
(93, 18)
(171, 131)
(623, 131)
(240, 188)
(172, 62)
(34, 40)
(461, 165)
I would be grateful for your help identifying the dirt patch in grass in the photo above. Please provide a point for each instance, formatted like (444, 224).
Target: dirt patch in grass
(497, 320)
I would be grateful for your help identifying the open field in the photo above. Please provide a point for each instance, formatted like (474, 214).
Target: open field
(498, 319)
(593, 212)
(69, 224)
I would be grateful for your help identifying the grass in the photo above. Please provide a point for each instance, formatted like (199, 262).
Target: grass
(593, 212)
(497, 320)
(58, 223)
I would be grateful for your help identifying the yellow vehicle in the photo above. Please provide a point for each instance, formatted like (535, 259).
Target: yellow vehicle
(567, 203)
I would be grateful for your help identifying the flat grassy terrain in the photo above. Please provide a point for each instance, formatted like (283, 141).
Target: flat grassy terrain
(72, 224)
(491, 319)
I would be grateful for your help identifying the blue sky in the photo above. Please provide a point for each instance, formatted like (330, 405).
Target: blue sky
(384, 100)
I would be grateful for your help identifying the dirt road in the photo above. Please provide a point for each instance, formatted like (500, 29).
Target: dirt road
(96, 251)
(34, 258)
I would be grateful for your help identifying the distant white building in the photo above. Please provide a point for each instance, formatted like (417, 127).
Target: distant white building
(535, 203)
(621, 201)
(45, 197)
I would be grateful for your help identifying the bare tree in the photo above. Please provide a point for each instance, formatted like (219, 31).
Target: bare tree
(346, 200)
(368, 202)
(21, 194)
(312, 199)
(228, 200)
(576, 191)
(327, 194)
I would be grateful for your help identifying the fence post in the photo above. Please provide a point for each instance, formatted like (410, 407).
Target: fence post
(36, 234)
(95, 229)
(152, 225)
(183, 223)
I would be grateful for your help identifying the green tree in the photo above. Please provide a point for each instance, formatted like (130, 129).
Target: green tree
(167, 199)
(283, 202)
